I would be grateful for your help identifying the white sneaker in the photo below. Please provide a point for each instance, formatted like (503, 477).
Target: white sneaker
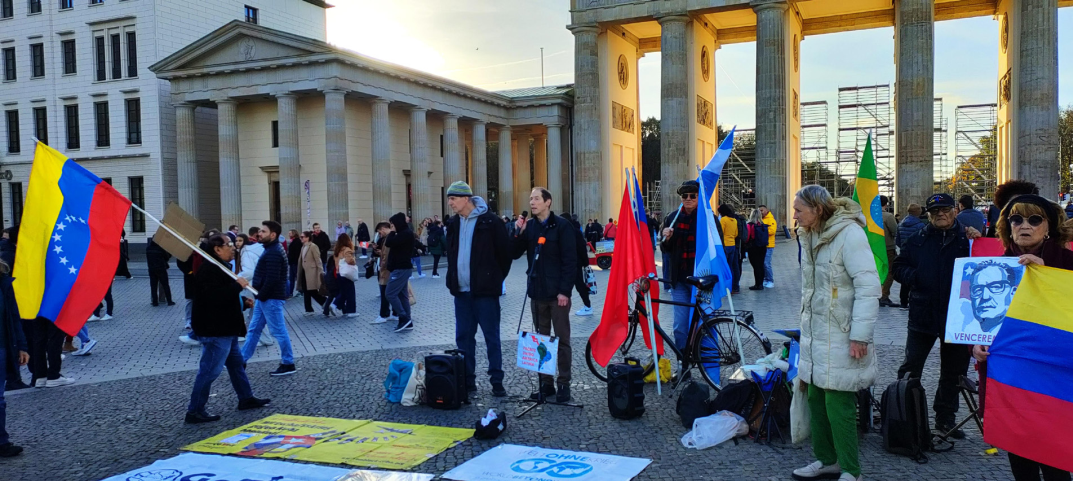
(185, 338)
(769, 284)
(420, 276)
(106, 317)
(850, 477)
(363, 257)
(242, 339)
(40, 382)
(266, 341)
(435, 276)
(86, 348)
(62, 381)
(353, 314)
(393, 318)
(93, 318)
(380, 320)
(336, 311)
(817, 470)
(584, 311)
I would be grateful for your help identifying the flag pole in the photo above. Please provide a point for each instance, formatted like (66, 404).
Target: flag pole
(197, 250)
(648, 296)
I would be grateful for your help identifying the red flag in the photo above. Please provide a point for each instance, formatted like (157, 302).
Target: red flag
(628, 264)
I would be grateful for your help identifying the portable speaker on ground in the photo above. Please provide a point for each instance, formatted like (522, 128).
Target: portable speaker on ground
(626, 389)
(445, 380)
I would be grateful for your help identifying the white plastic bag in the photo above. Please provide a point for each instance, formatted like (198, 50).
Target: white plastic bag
(711, 430)
(800, 417)
(414, 395)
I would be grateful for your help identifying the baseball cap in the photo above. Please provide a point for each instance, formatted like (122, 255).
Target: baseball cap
(938, 201)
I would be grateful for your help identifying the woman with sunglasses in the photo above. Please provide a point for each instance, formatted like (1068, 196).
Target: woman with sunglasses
(1034, 230)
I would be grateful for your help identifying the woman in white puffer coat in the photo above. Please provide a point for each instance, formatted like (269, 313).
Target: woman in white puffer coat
(840, 291)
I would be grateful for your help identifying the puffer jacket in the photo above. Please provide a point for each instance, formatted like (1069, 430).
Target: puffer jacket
(839, 302)
(910, 225)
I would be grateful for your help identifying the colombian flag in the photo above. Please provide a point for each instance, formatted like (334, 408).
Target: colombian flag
(68, 245)
(1029, 405)
(866, 194)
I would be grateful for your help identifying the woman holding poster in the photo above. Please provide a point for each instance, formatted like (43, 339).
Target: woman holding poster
(1033, 229)
(839, 302)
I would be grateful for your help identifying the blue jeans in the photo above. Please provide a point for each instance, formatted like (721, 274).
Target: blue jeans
(268, 312)
(735, 266)
(83, 335)
(344, 300)
(397, 294)
(767, 265)
(682, 292)
(472, 311)
(3, 404)
(216, 353)
(416, 261)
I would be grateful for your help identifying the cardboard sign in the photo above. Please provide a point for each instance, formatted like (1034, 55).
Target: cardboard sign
(980, 294)
(512, 462)
(538, 353)
(205, 467)
(602, 247)
(185, 224)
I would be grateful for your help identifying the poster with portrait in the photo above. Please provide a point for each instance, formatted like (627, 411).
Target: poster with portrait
(980, 294)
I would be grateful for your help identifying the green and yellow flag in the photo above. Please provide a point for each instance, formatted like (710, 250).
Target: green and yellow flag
(866, 194)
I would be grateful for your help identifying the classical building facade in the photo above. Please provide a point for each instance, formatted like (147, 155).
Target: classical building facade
(308, 132)
(610, 35)
(75, 74)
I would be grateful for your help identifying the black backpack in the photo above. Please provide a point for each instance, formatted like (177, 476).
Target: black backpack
(904, 426)
(693, 403)
(736, 397)
(742, 241)
(760, 235)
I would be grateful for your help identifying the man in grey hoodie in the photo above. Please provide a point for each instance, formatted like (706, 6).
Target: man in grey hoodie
(476, 281)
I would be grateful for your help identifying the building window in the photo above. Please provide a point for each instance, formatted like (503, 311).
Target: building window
(98, 47)
(7, 8)
(41, 124)
(107, 180)
(132, 54)
(37, 60)
(67, 4)
(275, 134)
(100, 113)
(134, 121)
(16, 201)
(96, 2)
(251, 15)
(117, 57)
(441, 145)
(70, 65)
(74, 140)
(35, 6)
(12, 131)
(137, 197)
(9, 63)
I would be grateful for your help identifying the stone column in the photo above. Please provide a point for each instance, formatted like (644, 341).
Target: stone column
(771, 112)
(587, 127)
(540, 162)
(290, 175)
(230, 175)
(479, 182)
(523, 180)
(452, 157)
(1037, 106)
(419, 183)
(186, 157)
(676, 164)
(335, 156)
(506, 173)
(914, 91)
(381, 160)
(555, 165)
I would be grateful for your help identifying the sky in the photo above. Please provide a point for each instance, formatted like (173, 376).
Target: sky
(496, 45)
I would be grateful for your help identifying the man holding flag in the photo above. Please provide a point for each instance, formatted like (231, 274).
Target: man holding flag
(680, 241)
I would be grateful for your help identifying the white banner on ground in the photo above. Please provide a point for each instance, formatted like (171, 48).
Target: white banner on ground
(512, 462)
(210, 467)
(538, 353)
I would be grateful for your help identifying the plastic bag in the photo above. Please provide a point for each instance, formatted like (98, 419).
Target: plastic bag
(664, 371)
(711, 430)
(800, 418)
(414, 395)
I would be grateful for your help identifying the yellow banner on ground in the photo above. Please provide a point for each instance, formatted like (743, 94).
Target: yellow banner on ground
(336, 441)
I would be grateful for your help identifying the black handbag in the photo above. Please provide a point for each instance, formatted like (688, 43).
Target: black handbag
(369, 270)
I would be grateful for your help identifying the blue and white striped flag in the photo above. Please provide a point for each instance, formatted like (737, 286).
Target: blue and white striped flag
(711, 258)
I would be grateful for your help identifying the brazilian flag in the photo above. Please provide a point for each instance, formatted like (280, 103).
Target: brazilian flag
(866, 194)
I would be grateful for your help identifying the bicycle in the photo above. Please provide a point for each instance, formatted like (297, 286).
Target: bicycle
(712, 345)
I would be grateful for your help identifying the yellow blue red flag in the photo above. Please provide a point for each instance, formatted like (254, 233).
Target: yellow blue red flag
(866, 194)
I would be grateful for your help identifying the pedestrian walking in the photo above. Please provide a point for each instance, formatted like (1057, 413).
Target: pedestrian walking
(320, 238)
(890, 233)
(294, 254)
(310, 273)
(13, 352)
(927, 263)
(419, 248)
(680, 248)
(436, 242)
(582, 256)
(156, 259)
(772, 228)
(270, 280)
(550, 282)
(348, 230)
(107, 310)
(87, 343)
(344, 253)
(839, 288)
(383, 274)
(728, 220)
(218, 322)
(757, 250)
(122, 269)
(610, 230)
(478, 259)
(401, 240)
(363, 238)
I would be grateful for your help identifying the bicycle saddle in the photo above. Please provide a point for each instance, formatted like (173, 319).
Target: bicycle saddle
(704, 283)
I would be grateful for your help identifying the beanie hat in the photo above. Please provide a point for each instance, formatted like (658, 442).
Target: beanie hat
(459, 189)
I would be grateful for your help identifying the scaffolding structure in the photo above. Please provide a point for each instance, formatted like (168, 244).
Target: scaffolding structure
(975, 171)
(737, 187)
(863, 111)
(816, 165)
(943, 167)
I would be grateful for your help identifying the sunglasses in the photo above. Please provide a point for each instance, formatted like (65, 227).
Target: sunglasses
(1018, 219)
(689, 196)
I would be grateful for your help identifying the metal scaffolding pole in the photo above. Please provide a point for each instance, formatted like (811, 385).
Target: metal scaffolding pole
(864, 110)
(976, 170)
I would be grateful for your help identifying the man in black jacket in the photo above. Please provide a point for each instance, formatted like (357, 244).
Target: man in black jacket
(401, 242)
(363, 236)
(13, 353)
(927, 263)
(478, 259)
(156, 259)
(680, 251)
(321, 240)
(551, 280)
(270, 281)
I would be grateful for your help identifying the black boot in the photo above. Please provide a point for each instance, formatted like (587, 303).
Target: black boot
(563, 395)
(198, 418)
(547, 390)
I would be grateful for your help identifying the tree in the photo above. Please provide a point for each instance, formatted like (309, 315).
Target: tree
(1065, 149)
(650, 156)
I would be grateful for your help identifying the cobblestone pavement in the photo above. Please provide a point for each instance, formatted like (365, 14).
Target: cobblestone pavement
(126, 411)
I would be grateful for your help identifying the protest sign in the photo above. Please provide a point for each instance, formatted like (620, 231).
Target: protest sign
(538, 353)
(183, 223)
(512, 462)
(207, 467)
(980, 294)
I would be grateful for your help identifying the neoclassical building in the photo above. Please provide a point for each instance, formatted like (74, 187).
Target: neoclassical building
(308, 132)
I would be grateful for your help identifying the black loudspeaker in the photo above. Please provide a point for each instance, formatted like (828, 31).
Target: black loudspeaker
(626, 389)
(445, 380)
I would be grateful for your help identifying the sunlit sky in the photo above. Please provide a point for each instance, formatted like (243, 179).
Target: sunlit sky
(496, 45)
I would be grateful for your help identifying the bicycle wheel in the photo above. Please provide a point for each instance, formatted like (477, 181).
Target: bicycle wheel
(716, 352)
(633, 346)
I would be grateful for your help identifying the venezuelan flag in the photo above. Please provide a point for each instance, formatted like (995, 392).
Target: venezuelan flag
(1029, 406)
(866, 194)
(68, 241)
